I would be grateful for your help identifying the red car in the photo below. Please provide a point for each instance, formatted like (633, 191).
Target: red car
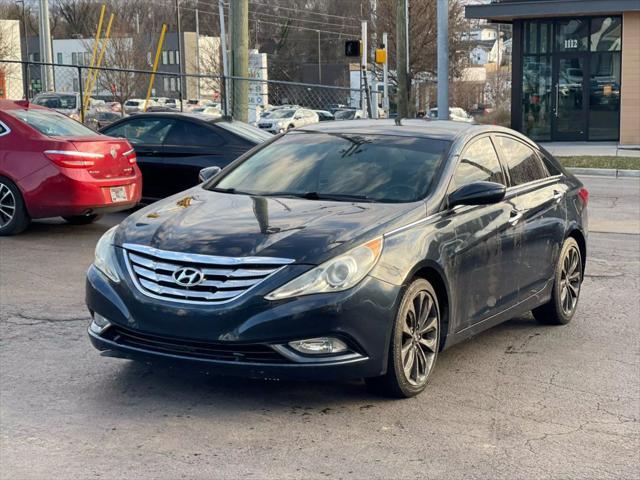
(51, 165)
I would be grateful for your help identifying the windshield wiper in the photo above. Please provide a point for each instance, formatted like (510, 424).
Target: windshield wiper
(329, 196)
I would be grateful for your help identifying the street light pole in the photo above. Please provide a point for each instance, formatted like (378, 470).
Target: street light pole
(319, 67)
(443, 59)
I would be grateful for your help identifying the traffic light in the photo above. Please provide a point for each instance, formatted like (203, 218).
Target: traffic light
(352, 48)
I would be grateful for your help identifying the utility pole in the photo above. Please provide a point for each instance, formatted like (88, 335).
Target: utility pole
(225, 59)
(402, 65)
(137, 23)
(180, 55)
(239, 12)
(443, 59)
(198, 52)
(385, 74)
(319, 59)
(45, 46)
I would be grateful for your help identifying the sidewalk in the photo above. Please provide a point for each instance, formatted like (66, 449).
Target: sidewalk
(591, 149)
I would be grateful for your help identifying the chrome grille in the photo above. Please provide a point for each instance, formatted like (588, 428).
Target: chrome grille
(221, 279)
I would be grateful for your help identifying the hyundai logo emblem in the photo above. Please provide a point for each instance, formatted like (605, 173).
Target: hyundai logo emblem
(188, 276)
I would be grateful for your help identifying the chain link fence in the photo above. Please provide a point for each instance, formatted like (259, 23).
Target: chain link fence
(89, 93)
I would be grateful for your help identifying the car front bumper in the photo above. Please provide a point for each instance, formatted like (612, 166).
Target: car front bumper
(246, 337)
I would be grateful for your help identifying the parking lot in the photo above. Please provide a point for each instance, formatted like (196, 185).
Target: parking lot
(519, 401)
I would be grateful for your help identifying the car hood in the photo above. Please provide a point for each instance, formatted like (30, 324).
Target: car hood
(214, 223)
(271, 121)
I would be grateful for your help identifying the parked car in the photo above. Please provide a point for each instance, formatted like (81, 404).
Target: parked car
(334, 107)
(211, 111)
(348, 114)
(173, 147)
(66, 103)
(324, 116)
(345, 250)
(283, 119)
(97, 119)
(134, 105)
(455, 114)
(51, 165)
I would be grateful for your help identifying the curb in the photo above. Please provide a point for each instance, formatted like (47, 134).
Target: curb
(605, 172)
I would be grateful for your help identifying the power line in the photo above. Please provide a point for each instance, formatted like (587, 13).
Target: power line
(297, 10)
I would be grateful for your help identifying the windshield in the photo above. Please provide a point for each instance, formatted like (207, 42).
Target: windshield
(51, 123)
(63, 102)
(282, 113)
(246, 131)
(381, 168)
(132, 103)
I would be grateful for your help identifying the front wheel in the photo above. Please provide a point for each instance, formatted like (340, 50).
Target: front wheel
(566, 287)
(414, 343)
(82, 219)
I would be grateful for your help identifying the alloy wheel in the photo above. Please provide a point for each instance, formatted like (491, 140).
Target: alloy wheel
(7, 205)
(570, 280)
(419, 338)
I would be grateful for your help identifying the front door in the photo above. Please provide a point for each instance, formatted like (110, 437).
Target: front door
(570, 97)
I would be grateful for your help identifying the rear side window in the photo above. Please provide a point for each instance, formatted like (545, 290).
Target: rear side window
(3, 130)
(522, 161)
(479, 162)
(192, 134)
(142, 131)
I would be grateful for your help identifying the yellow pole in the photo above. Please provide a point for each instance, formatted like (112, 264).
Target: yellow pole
(155, 65)
(95, 52)
(93, 74)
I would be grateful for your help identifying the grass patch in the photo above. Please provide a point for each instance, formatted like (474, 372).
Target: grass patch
(620, 163)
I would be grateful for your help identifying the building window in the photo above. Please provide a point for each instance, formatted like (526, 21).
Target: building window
(165, 58)
(606, 34)
(172, 57)
(59, 57)
(537, 97)
(573, 35)
(172, 83)
(74, 58)
(177, 54)
(165, 84)
(604, 96)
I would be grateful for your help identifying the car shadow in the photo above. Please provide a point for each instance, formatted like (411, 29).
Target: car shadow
(174, 387)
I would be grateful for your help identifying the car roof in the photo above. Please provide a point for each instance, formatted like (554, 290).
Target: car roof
(19, 105)
(183, 115)
(423, 128)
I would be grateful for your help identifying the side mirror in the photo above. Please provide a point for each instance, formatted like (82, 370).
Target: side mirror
(208, 173)
(477, 193)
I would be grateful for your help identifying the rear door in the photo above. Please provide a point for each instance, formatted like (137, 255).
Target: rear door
(189, 147)
(484, 244)
(146, 134)
(538, 197)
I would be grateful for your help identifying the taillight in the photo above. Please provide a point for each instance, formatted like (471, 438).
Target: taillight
(130, 155)
(73, 159)
(583, 193)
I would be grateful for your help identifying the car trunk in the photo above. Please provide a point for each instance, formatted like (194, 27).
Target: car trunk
(114, 163)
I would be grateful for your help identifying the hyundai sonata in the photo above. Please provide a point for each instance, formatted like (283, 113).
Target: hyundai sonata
(345, 251)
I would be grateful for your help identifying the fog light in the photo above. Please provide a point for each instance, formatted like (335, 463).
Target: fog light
(99, 324)
(319, 346)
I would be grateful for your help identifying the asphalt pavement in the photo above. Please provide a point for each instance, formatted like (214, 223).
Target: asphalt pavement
(520, 401)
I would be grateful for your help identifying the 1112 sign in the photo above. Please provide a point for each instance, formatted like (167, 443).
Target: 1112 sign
(570, 43)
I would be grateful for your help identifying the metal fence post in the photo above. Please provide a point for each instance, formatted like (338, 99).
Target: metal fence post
(80, 91)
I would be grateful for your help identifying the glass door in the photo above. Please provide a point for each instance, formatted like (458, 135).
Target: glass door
(570, 94)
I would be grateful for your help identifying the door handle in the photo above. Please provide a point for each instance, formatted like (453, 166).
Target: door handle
(515, 216)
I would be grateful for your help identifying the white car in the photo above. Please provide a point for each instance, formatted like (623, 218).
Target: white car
(455, 113)
(348, 114)
(283, 119)
(210, 111)
(136, 105)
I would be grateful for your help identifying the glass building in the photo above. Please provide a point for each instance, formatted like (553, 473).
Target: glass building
(576, 67)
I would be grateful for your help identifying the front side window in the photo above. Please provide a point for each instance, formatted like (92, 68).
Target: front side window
(342, 167)
(147, 131)
(188, 133)
(479, 162)
(51, 123)
(523, 163)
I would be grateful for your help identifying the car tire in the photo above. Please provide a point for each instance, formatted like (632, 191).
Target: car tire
(568, 276)
(414, 343)
(13, 212)
(82, 219)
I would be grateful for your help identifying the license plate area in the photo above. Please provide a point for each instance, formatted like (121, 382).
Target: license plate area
(118, 194)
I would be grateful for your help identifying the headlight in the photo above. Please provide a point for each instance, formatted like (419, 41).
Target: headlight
(105, 259)
(335, 275)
